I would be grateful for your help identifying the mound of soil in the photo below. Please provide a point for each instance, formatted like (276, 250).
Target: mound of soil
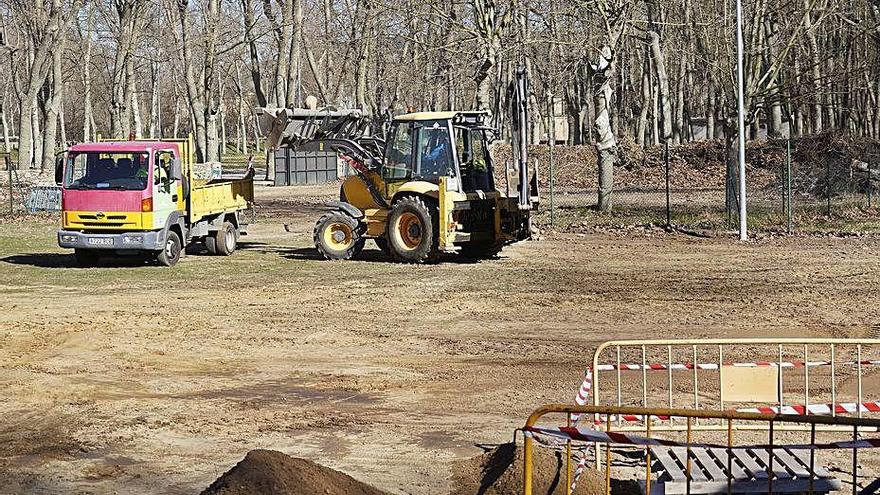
(272, 472)
(500, 472)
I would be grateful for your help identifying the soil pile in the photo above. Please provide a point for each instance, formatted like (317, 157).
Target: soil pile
(272, 472)
(500, 472)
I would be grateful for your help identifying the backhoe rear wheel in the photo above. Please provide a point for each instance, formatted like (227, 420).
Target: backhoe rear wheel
(411, 232)
(337, 236)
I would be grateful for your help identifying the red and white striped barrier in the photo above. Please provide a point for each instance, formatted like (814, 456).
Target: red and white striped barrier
(588, 435)
(583, 394)
(715, 366)
(799, 409)
(817, 409)
(581, 399)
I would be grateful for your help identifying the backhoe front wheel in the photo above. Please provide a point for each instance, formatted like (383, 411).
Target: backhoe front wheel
(337, 236)
(410, 231)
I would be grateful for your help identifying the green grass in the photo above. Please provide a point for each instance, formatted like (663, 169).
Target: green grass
(30, 259)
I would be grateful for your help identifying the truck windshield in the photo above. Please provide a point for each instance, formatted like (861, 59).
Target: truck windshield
(96, 170)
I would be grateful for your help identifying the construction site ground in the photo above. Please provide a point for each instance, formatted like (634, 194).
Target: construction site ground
(140, 379)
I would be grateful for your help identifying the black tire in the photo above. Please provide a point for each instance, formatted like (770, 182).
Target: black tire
(337, 236)
(211, 244)
(170, 255)
(226, 239)
(86, 257)
(411, 231)
(480, 250)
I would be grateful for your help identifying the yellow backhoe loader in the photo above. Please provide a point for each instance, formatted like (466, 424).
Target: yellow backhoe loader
(429, 189)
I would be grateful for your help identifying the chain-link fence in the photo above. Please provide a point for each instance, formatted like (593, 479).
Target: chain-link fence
(810, 184)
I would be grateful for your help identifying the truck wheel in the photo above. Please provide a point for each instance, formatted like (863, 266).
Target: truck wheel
(171, 254)
(410, 231)
(226, 239)
(211, 244)
(86, 257)
(336, 236)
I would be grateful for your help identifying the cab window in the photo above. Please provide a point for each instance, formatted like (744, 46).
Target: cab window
(163, 169)
(398, 155)
(435, 151)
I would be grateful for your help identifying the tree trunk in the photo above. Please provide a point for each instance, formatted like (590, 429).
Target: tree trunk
(253, 53)
(5, 122)
(642, 128)
(55, 87)
(294, 74)
(195, 98)
(363, 57)
(710, 109)
(62, 123)
(37, 140)
(606, 142)
(678, 129)
(665, 102)
(88, 117)
(815, 71)
(154, 101)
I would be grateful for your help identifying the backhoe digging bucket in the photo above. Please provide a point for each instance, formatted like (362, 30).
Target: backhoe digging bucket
(526, 189)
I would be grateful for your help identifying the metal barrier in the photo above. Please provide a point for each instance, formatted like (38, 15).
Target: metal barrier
(811, 423)
(782, 375)
(43, 198)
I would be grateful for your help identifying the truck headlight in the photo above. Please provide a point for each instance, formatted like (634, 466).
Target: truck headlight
(133, 239)
(68, 238)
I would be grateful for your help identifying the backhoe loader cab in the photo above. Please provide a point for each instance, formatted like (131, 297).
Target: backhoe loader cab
(434, 145)
(427, 189)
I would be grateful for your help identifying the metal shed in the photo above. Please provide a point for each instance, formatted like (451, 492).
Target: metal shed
(295, 168)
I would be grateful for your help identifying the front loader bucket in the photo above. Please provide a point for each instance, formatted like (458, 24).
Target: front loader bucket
(294, 127)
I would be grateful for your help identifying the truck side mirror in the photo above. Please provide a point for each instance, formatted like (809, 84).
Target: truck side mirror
(176, 169)
(59, 169)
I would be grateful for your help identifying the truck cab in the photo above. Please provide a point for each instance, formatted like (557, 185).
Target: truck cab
(140, 197)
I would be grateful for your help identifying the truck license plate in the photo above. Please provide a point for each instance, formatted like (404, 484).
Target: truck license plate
(101, 241)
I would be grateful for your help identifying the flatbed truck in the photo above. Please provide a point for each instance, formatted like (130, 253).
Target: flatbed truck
(141, 198)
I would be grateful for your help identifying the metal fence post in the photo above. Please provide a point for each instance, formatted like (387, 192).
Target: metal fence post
(788, 211)
(828, 186)
(551, 144)
(666, 160)
(9, 168)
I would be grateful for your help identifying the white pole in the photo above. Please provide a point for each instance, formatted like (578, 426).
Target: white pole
(743, 226)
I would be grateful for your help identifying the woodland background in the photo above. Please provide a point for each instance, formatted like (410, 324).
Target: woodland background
(610, 71)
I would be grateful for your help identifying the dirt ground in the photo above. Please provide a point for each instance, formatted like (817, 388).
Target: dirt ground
(138, 379)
